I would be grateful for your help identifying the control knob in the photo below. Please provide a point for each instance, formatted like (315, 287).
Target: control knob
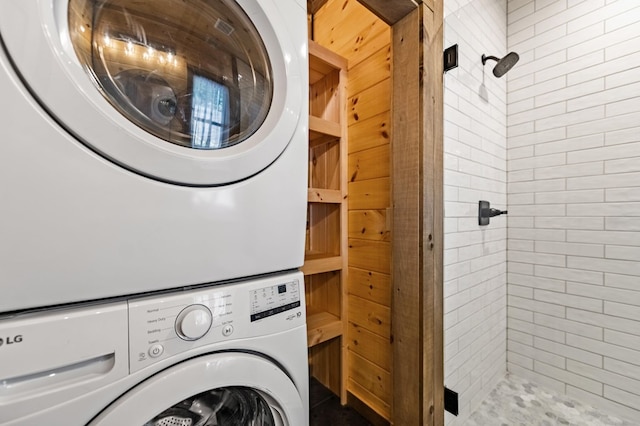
(193, 322)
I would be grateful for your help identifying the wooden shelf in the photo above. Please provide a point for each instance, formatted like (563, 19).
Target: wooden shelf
(321, 195)
(322, 326)
(323, 61)
(323, 131)
(325, 266)
(317, 264)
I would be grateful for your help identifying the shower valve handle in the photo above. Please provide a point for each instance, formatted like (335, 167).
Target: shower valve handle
(485, 212)
(493, 212)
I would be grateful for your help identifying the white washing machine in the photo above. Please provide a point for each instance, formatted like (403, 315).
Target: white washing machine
(148, 145)
(232, 354)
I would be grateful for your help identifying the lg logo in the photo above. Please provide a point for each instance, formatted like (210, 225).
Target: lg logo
(11, 340)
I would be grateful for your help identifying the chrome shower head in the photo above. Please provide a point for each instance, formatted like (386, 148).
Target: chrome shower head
(503, 65)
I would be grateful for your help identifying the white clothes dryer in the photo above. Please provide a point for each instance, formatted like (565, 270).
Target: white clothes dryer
(232, 354)
(149, 145)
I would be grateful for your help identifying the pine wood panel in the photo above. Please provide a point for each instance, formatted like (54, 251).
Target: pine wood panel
(370, 255)
(369, 73)
(331, 19)
(324, 101)
(370, 346)
(382, 408)
(324, 364)
(370, 133)
(372, 43)
(324, 165)
(346, 27)
(370, 102)
(371, 316)
(370, 376)
(370, 285)
(369, 164)
(323, 230)
(369, 225)
(322, 293)
(369, 194)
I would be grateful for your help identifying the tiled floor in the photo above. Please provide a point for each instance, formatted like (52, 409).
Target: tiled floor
(514, 402)
(518, 402)
(325, 408)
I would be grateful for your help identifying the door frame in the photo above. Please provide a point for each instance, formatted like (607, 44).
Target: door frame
(418, 207)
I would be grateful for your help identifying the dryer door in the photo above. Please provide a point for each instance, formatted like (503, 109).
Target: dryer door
(194, 92)
(220, 389)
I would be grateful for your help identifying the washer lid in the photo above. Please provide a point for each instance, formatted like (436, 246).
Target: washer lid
(221, 387)
(195, 92)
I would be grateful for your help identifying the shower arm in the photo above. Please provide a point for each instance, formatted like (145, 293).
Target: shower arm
(485, 58)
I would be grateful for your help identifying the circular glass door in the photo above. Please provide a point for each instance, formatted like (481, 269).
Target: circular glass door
(191, 92)
(231, 389)
(194, 73)
(232, 406)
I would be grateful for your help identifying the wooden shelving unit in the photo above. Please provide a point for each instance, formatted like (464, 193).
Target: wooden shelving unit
(325, 266)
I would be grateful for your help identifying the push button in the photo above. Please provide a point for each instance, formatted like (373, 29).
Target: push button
(155, 351)
(227, 330)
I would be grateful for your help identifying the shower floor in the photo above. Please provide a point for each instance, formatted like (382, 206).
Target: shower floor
(516, 402)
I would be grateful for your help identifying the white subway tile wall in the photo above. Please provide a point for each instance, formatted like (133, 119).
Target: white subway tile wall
(475, 145)
(573, 126)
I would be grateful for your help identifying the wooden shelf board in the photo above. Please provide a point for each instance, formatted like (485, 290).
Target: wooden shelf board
(317, 263)
(321, 195)
(322, 61)
(322, 326)
(317, 139)
(319, 127)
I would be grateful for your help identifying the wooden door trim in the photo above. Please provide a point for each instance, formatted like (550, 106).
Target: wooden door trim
(418, 231)
(390, 11)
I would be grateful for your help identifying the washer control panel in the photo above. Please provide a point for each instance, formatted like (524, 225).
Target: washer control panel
(164, 325)
(268, 301)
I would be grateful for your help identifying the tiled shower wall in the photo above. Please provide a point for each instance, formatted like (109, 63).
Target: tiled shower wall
(574, 199)
(475, 169)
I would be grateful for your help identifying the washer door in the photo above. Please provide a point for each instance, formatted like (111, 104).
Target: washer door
(219, 389)
(194, 92)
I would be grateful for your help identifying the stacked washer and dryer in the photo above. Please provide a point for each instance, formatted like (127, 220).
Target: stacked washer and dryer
(152, 222)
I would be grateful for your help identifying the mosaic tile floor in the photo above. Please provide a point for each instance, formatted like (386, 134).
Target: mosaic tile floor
(518, 402)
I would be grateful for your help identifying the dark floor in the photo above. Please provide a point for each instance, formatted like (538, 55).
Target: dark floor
(325, 408)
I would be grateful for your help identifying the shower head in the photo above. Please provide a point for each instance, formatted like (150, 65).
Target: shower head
(503, 65)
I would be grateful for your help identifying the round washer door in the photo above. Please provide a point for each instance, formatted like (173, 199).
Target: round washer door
(193, 92)
(225, 388)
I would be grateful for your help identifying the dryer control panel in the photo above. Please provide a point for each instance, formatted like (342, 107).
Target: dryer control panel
(166, 325)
